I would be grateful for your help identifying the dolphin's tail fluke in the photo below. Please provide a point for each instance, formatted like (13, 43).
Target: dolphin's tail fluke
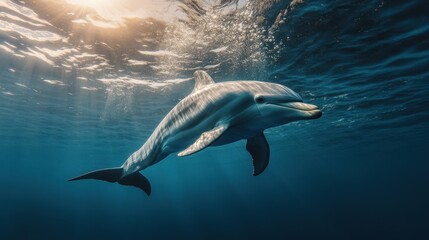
(115, 175)
(109, 175)
(137, 180)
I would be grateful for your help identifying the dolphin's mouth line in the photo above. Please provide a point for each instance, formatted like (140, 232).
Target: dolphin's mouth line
(305, 107)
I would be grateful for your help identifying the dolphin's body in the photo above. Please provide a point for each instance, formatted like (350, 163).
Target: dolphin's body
(214, 114)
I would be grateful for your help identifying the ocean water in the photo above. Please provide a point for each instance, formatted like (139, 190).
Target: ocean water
(84, 83)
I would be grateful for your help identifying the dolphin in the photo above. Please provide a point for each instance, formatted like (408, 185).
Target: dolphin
(214, 114)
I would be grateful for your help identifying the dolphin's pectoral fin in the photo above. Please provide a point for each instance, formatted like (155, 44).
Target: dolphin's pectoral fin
(260, 150)
(202, 79)
(204, 140)
(137, 180)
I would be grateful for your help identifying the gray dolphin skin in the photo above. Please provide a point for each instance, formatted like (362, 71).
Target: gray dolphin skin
(214, 114)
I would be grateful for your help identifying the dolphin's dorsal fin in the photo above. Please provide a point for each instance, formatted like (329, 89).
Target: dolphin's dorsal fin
(260, 150)
(202, 79)
(204, 140)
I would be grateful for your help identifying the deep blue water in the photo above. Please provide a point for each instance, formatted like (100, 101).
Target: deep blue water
(79, 92)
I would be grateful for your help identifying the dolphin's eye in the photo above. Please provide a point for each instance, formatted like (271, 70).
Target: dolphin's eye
(260, 99)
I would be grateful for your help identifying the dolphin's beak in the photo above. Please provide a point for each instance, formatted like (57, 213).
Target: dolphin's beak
(309, 110)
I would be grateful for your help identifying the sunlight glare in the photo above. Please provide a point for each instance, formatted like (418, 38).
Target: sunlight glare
(108, 9)
(95, 4)
(116, 10)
